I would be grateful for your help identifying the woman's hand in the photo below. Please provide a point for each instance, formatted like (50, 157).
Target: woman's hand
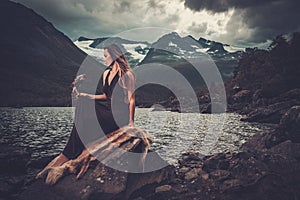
(86, 95)
(131, 123)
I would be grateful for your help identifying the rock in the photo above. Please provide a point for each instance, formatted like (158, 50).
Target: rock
(290, 123)
(184, 169)
(271, 113)
(257, 95)
(291, 94)
(220, 174)
(178, 188)
(40, 162)
(217, 108)
(163, 188)
(191, 158)
(288, 149)
(242, 96)
(13, 169)
(11, 185)
(230, 184)
(274, 86)
(214, 162)
(288, 128)
(13, 159)
(205, 176)
(100, 182)
(236, 88)
(139, 198)
(193, 173)
(256, 142)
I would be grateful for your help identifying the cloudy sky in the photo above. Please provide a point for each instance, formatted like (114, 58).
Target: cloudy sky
(236, 22)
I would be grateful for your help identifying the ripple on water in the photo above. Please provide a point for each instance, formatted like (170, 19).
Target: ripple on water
(46, 130)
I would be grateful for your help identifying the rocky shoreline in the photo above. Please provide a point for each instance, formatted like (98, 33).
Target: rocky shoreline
(267, 167)
(265, 88)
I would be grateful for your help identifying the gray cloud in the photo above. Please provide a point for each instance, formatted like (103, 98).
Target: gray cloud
(67, 15)
(95, 18)
(234, 21)
(266, 19)
(198, 28)
(225, 5)
(122, 6)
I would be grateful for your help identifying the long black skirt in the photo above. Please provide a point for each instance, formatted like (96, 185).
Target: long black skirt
(106, 120)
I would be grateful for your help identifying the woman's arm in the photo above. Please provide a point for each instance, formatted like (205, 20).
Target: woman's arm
(93, 96)
(131, 97)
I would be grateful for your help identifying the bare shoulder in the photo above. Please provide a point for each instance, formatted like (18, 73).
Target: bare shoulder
(105, 74)
(130, 75)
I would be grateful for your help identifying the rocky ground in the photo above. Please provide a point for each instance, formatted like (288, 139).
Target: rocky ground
(266, 83)
(265, 88)
(267, 167)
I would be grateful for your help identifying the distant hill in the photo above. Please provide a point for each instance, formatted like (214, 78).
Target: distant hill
(38, 62)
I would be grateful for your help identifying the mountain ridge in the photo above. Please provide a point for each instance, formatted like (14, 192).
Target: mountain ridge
(38, 61)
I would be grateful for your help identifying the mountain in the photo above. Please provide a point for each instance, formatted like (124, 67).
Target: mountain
(176, 51)
(38, 61)
(135, 51)
(171, 50)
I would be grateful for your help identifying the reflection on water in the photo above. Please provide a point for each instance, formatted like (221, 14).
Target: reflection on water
(46, 130)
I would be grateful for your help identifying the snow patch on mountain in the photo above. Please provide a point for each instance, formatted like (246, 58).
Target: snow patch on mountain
(171, 44)
(93, 52)
(233, 49)
(133, 50)
(288, 37)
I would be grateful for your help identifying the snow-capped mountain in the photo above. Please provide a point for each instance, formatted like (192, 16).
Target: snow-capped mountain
(168, 49)
(188, 45)
(135, 51)
(218, 47)
(182, 47)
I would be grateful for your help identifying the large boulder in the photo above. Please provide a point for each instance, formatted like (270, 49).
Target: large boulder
(242, 96)
(290, 123)
(289, 128)
(271, 113)
(101, 182)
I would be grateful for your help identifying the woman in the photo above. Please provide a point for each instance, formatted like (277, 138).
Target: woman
(118, 93)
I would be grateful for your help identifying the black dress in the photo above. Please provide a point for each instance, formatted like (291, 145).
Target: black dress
(112, 114)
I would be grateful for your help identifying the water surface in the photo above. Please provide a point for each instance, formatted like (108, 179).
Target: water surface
(45, 130)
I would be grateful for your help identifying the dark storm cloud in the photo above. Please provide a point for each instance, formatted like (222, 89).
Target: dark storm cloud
(224, 5)
(58, 10)
(77, 17)
(101, 18)
(266, 18)
(67, 15)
